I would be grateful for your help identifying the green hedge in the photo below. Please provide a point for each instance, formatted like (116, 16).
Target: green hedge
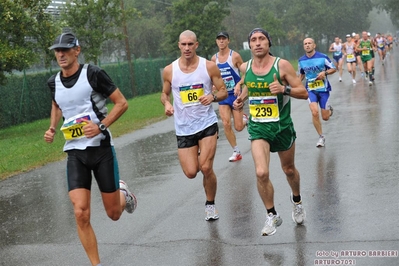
(26, 97)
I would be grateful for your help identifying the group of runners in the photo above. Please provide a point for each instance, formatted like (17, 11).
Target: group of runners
(267, 83)
(359, 51)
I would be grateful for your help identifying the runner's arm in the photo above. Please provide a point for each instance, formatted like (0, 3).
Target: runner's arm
(289, 78)
(166, 90)
(217, 81)
(55, 118)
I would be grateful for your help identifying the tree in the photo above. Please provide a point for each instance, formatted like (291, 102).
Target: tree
(96, 22)
(203, 17)
(25, 34)
(391, 6)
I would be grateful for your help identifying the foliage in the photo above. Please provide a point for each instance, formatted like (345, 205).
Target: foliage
(24, 34)
(96, 22)
(203, 17)
(391, 6)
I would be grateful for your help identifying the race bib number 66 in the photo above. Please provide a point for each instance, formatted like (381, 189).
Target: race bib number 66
(191, 93)
(73, 127)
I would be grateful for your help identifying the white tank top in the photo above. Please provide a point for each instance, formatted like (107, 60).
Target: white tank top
(76, 104)
(337, 48)
(190, 115)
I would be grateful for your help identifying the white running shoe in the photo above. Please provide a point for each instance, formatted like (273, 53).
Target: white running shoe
(321, 142)
(131, 201)
(353, 81)
(211, 213)
(340, 79)
(245, 119)
(370, 83)
(298, 212)
(272, 222)
(235, 157)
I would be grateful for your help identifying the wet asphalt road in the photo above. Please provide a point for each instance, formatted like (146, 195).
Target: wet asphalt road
(349, 189)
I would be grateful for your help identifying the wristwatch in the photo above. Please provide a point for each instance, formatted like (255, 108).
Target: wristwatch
(102, 127)
(215, 98)
(287, 90)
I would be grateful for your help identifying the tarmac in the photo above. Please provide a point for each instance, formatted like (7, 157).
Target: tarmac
(349, 190)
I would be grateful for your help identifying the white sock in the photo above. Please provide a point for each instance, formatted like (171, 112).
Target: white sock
(236, 149)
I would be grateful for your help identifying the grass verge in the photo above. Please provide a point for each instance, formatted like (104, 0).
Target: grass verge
(22, 147)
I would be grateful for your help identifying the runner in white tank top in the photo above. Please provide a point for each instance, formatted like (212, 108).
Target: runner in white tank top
(190, 80)
(348, 49)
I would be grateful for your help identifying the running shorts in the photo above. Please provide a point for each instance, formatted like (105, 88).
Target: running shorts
(99, 160)
(229, 100)
(192, 140)
(279, 140)
(319, 97)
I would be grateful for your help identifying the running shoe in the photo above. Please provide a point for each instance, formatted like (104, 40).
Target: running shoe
(272, 222)
(235, 157)
(210, 212)
(321, 142)
(245, 119)
(298, 212)
(353, 81)
(131, 201)
(332, 110)
(370, 83)
(340, 79)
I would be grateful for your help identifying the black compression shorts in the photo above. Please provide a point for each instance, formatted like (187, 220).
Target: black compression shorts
(99, 160)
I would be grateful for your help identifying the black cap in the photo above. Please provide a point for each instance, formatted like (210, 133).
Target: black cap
(223, 34)
(65, 40)
(261, 31)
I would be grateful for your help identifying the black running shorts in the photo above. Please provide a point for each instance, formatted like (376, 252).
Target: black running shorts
(101, 161)
(192, 140)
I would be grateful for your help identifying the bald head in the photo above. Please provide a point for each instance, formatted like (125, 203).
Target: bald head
(188, 34)
(309, 46)
(308, 40)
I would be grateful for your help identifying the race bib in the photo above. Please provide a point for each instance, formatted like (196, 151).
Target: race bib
(190, 94)
(366, 52)
(316, 84)
(350, 56)
(264, 109)
(73, 127)
(381, 45)
(337, 53)
(229, 82)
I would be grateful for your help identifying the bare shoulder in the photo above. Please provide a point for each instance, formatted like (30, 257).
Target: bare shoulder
(211, 66)
(285, 64)
(213, 59)
(167, 72)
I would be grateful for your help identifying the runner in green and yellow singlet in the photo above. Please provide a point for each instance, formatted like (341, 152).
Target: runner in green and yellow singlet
(268, 84)
(365, 47)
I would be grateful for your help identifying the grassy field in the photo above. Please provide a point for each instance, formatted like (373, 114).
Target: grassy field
(22, 147)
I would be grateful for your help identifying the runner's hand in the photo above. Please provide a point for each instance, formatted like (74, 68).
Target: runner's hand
(49, 135)
(275, 87)
(238, 104)
(169, 111)
(91, 130)
(237, 89)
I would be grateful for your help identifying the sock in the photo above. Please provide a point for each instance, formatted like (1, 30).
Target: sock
(210, 202)
(296, 199)
(370, 76)
(272, 210)
(236, 149)
(372, 71)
